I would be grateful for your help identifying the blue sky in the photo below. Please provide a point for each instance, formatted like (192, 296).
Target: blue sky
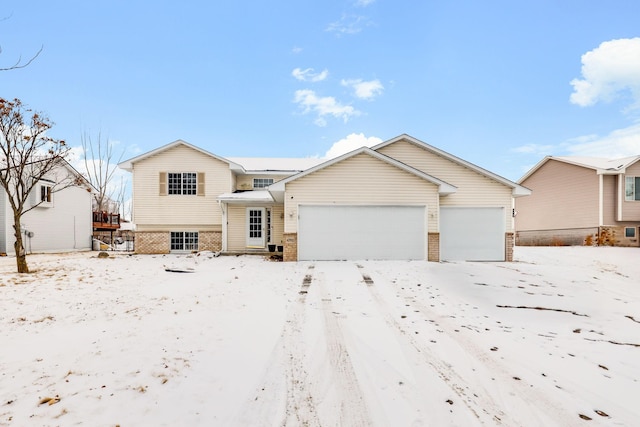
(498, 83)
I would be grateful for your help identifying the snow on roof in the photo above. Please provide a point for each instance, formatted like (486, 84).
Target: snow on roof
(598, 162)
(276, 164)
(254, 196)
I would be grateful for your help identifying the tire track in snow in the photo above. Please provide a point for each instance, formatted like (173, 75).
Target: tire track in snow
(481, 398)
(445, 371)
(284, 395)
(353, 410)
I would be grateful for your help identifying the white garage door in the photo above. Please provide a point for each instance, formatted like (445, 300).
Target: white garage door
(361, 232)
(472, 234)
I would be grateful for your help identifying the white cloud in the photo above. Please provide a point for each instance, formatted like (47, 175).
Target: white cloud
(309, 102)
(296, 50)
(348, 24)
(351, 142)
(364, 90)
(608, 70)
(534, 149)
(364, 3)
(308, 75)
(619, 143)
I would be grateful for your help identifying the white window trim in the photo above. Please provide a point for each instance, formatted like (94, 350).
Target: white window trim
(630, 228)
(630, 181)
(264, 182)
(197, 235)
(182, 184)
(44, 203)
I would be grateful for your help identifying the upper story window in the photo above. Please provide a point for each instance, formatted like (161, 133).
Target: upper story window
(262, 182)
(182, 183)
(632, 188)
(43, 194)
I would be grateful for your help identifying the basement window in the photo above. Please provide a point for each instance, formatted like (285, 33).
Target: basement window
(184, 240)
(630, 232)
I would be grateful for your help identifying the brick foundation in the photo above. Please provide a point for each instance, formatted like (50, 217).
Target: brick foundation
(152, 242)
(158, 242)
(433, 248)
(210, 241)
(508, 246)
(290, 247)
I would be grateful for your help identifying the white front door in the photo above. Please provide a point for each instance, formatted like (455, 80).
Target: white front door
(255, 227)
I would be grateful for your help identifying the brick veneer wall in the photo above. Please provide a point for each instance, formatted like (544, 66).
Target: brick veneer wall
(158, 242)
(290, 247)
(210, 241)
(509, 241)
(152, 242)
(433, 248)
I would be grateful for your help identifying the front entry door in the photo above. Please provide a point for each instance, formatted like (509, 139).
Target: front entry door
(255, 227)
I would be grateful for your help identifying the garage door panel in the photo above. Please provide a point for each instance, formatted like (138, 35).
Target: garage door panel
(472, 234)
(361, 232)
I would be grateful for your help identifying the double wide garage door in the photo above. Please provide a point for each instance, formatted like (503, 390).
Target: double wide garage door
(361, 232)
(472, 234)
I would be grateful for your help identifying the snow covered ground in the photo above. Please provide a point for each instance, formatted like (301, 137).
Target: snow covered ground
(552, 339)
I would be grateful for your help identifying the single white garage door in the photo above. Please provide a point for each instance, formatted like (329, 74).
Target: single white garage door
(361, 232)
(472, 234)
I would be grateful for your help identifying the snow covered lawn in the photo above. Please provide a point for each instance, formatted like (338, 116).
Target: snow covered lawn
(552, 339)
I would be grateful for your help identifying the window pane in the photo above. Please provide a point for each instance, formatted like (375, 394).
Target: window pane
(262, 182)
(175, 183)
(177, 241)
(637, 188)
(189, 183)
(630, 232)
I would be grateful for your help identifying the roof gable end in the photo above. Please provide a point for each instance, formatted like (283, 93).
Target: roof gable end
(518, 190)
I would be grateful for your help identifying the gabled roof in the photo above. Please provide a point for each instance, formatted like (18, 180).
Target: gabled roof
(444, 188)
(128, 164)
(601, 165)
(518, 190)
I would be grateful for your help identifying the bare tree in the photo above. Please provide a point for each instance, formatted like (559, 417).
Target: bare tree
(100, 169)
(20, 63)
(27, 157)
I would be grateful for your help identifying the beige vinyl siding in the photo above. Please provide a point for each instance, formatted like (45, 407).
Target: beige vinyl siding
(360, 180)
(237, 226)
(277, 224)
(631, 209)
(155, 212)
(245, 182)
(563, 196)
(473, 188)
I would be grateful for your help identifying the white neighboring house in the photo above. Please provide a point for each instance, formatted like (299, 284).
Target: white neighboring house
(62, 222)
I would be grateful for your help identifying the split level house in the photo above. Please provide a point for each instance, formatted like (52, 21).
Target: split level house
(402, 199)
(59, 217)
(580, 200)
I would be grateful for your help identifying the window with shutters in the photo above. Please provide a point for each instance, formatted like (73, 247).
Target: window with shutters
(182, 183)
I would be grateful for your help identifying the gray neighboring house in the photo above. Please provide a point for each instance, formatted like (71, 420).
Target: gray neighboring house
(580, 200)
